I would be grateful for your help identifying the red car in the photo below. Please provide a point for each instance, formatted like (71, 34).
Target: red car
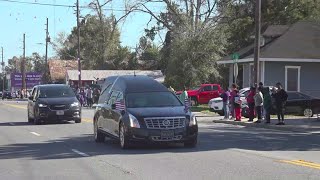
(202, 94)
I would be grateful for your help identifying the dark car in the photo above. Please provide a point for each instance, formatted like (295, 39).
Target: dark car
(297, 103)
(6, 95)
(302, 104)
(139, 109)
(53, 102)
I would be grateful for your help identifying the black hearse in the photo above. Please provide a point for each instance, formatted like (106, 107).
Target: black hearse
(140, 109)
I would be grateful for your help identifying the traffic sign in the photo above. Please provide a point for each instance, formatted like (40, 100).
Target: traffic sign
(235, 56)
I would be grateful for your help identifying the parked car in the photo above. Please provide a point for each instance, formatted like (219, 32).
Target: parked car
(6, 95)
(302, 104)
(297, 104)
(139, 109)
(53, 102)
(202, 94)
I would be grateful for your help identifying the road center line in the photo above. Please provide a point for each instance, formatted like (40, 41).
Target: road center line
(18, 106)
(34, 133)
(80, 153)
(302, 163)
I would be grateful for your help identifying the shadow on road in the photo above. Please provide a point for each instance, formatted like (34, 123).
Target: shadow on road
(31, 124)
(210, 139)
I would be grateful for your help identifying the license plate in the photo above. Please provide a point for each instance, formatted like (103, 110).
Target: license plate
(59, 113)
(167, 134)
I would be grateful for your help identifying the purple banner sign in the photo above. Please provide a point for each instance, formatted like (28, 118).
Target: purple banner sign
(32, 79)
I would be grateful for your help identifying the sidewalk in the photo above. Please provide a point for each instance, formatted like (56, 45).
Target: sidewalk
(307, 125)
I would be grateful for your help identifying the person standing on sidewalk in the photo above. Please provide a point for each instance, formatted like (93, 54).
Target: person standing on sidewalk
(281, 97)
(251, 105)
(267, 104)
(184, 95)
(226, 99)
(237, 105)
(232, 97)
(258, 101)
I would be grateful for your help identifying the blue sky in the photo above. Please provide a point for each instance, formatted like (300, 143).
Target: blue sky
(17, 19)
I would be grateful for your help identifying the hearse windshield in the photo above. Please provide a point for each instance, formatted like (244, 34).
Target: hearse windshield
(152, 99)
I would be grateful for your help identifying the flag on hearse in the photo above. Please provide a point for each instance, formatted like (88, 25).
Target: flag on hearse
(120, 106)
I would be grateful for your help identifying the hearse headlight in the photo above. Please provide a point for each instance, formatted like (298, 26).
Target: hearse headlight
(42, 105)
(193, 120)
(75, 104)
(133, 121)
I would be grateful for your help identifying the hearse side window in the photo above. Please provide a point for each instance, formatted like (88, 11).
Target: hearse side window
(113, 97)
(33, 92)
(104, 94)
(120, 97)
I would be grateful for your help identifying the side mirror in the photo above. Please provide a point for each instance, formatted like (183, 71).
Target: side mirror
(113, 106)
(30, 98)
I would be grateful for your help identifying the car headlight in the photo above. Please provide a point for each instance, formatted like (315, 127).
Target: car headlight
(43, 105)
(193, 120)
(133, 121)
(75, 104)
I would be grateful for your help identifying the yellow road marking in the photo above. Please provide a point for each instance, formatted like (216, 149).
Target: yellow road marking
(17, 106)
(302, 163)
(87, 120)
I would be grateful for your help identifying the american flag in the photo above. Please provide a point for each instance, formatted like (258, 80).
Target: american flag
(120, 105)
(186, 105)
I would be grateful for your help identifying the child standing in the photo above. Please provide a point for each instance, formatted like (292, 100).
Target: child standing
(237, 105)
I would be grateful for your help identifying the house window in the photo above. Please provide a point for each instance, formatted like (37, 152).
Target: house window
(292, 78)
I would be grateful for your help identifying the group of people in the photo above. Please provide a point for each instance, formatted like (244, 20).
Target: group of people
(88, 96)
(260, 102)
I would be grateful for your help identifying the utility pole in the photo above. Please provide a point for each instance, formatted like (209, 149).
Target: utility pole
(3, 74)
(46, 73)
(257, 42)
(78, 58)
(23, 64)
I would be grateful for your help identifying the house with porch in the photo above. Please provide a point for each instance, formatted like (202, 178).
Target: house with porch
(289, 55)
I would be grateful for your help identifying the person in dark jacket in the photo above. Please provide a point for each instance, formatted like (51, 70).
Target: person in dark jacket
(267, 102)
(280, 97)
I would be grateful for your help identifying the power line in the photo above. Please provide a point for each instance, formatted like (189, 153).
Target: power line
(58, 5)
(37, 3)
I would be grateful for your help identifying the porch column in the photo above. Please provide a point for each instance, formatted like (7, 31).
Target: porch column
(230, 75)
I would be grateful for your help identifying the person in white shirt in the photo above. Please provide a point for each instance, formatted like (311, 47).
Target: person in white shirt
(258, 101)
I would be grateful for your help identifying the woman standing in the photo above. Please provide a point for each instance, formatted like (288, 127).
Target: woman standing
(237, 105)
(251, 105)
(233, 93)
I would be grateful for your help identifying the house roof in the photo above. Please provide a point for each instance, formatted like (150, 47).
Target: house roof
(299, 41)
(58, 68)
(92, 75)
(275, 30)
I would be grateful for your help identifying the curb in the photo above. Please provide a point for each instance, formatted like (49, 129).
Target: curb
(265, 126)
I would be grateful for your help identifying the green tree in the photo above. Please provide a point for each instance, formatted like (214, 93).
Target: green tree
(193, 43)
(99, 42)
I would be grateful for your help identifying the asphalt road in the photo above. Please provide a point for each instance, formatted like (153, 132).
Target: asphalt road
(68, 151)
